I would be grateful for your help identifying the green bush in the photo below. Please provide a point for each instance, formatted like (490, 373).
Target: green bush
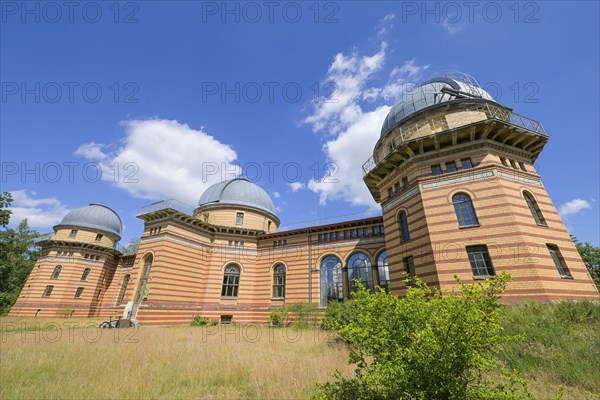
(198, 320)
(304, 315)
(577, 311)
(425, 346)
(279, 316)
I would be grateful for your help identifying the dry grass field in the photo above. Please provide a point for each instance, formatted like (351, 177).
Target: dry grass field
(59, 359)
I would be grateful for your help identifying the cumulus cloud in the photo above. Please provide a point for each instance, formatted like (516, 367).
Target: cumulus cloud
(295, 186)
(39, 212)
(161, 159)
(452, 27)
(352, 131)
(574, 206)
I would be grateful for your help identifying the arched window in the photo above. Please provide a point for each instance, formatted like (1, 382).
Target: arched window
(403, 222)
(86, 273)
(279, 281)
(331, 280)
(534, 208)
(463, 207)
(231, 281)
(123, 289)
(359, 268)
(384, 272)
(56, 272)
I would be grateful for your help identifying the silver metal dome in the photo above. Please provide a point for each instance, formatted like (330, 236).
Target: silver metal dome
(239, 191)
(96, 217)
(450, 88)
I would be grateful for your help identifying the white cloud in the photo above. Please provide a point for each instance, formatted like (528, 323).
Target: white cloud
(574, 206)
(385, 24)
(40, 212)
(91, 151)
(452, 27)
(276, 195)
(354, 130)
(161, 159)
(295, 186)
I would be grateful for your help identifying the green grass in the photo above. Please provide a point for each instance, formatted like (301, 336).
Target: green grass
(561, 347)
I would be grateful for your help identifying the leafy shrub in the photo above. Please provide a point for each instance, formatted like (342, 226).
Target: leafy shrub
(199, 320)
(425, 346)
(304, 315)
(279, 316)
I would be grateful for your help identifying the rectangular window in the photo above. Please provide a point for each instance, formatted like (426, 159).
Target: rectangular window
(353, 233)
(239, 218)
(390, 192)
(346, 234)
(284, 242)
(397, 187)
(436, 169)
(381, 231)
(480, 261)
(98, 237)
(365, 231)
(409, 266)
(331, 236)
(359, 233)
(230, 243)
(375, 230)
(78, 292)
(275, 242)
(48, 291)
(73, 233)
(451, 166)
(466, 163)
(405, 183)
(559, 261)
(320, 238)
(337, 235)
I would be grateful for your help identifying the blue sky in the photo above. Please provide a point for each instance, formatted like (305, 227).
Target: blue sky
(143, 101)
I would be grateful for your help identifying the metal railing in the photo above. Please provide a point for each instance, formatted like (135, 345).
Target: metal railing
(491, 112)
(167, 204)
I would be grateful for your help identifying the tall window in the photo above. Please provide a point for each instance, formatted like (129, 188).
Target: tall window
(436, 169)
(279, 281)
(123, 289)
(98, 237)
(384, 272)
(56, 272)
(73, 233)
(481, 264)
(78, 292)
(359, 268)
(86, 273)
(463, 207)
(405, 182)
(409, 266)
(239, 218)
(331, 280)
(534, 208)
(48, 291)
(451, 166)
(403, 222)
(231, 281)
(559, 261)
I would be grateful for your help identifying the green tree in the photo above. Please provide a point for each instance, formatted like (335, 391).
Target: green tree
(5, 201)
(132, 247)
(425, 346)
(18, 254)
(591, 258)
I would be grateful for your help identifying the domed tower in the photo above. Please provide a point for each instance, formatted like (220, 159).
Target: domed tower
(454, 173)
(238, 203)
(75, 267)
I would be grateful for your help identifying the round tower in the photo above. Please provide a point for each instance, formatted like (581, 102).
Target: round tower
(454, 173)
(238, 203)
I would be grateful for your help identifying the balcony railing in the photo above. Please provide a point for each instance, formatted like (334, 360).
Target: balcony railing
(167, 204)
(492, 112)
